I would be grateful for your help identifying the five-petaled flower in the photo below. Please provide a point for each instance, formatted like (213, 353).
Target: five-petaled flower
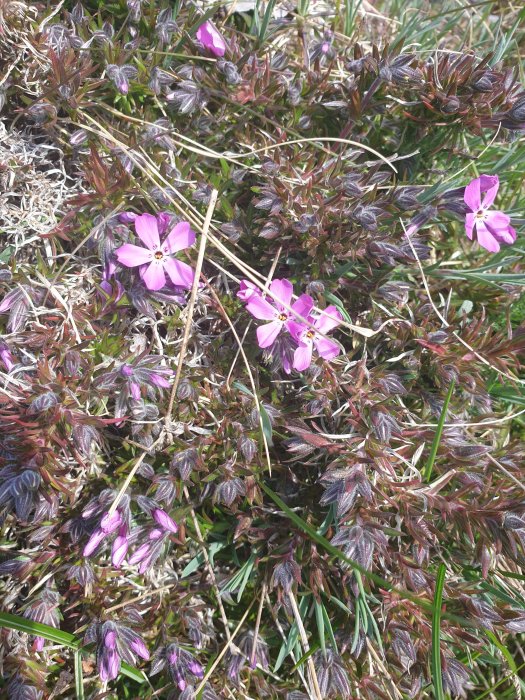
(492, 227)
(314, 335)
(157, 258)
(276, 311)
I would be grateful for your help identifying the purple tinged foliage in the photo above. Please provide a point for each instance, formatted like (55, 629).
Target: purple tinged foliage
(121, 75)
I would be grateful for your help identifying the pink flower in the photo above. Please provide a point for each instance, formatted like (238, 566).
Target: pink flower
(492, 227)
(247, 289)
(211, 39)
(163, 519)
(275, 311)
(313, 335)
(6, 357)
(156, 258)
(96, 538)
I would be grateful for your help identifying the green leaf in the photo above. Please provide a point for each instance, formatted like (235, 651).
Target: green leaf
(437, 437)
(197, 561)
(21, 624)
(437, 679)
(79, 676)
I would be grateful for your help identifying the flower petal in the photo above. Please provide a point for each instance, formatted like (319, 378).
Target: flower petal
(472, 196)
(329, 319)
(154, 277)
(283, 290)
(506, 235)
(470, 221)
(485, 238)
(303, 305)
(490, 185)
(328, 349)
(268, 333)
(302, 357)
(497, 220)
(246, 289)
(296, 330)
(180, 237)
(147, 229)
(132, 255)
(261, 309)
(181, 274)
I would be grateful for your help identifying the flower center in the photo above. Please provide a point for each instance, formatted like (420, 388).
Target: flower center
(282, 317)
(480, 214)
(310, 334)
(159, 255)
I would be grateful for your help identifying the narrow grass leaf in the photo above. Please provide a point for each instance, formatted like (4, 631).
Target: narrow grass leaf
(437, 679)
(437, 437)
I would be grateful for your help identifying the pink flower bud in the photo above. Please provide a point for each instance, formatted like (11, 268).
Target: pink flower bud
(156, 534)
(164, 520)
(110, 522)
(39, 643)
(93, 542)
(139, 554)
(127, 217)
(211, 39)
(110, 639)
(119, 550)
(138, 646)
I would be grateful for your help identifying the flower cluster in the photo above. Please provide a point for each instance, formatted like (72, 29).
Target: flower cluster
(114, 642)
(305, 327)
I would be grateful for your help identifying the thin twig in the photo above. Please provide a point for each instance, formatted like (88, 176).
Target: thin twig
(306, 647)
(191, 305)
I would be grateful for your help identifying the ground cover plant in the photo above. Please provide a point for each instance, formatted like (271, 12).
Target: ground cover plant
(261, 399)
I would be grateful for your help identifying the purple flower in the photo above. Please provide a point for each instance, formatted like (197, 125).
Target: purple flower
(492, 227)
(108, 524)
(39, 643)
(163, 519)
(6, 357)
(127, 217)
(114, 641)
(156, 258)
(139, 648)
(211, 39)
(120, 548)
(313, 335)
(92, 544)
(276, 312)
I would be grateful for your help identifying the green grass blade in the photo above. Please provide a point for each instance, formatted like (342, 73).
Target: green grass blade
(437, 679)
(79, 676)
(312, 532)
(437, 437)
(21, 624)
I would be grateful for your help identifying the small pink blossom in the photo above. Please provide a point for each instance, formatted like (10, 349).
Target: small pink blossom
(211, 39)
(492, 227)
(156, 258)
(276, 312)
(313, 335)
